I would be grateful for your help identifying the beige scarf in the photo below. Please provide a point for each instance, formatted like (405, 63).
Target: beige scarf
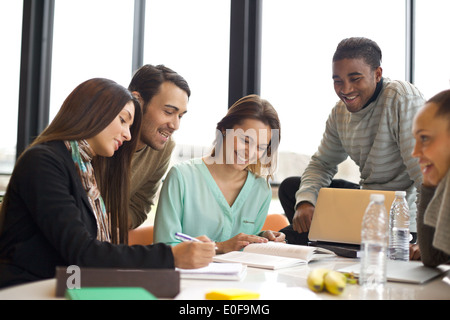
(437, 215)
(82, 156)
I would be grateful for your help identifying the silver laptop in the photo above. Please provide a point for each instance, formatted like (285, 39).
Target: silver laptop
(338, 217)
(404, 271)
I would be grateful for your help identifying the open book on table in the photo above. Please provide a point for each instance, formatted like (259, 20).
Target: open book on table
(274, 255)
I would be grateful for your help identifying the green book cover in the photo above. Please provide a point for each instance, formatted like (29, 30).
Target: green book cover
(109, 293)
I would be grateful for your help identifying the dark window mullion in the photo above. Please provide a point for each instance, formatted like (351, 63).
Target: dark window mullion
(245, 49)
(410, 39)
(138, 35)
(35, 70)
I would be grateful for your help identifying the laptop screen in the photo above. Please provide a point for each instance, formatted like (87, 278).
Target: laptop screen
(339, 213)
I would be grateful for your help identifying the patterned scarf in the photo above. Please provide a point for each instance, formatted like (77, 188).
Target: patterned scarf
(82, 156)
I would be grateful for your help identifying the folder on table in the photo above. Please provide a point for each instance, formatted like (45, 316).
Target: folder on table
(162, 283)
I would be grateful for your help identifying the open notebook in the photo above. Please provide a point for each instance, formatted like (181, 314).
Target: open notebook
(337, 219)
(274, 255)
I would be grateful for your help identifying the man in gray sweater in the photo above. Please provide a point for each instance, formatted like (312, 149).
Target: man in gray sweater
(371, 124)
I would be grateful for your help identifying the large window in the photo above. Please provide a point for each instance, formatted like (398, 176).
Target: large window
(90, 39)
(10, 37)
(432, 46)
(192, 38)
(94, 39)
(298, 42)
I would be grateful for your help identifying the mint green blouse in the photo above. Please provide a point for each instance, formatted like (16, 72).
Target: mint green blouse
(191, 202)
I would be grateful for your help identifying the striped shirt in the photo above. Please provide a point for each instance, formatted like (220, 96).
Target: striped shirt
(378, 139)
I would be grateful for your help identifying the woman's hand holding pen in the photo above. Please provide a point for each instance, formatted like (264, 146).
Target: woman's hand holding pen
(194, 254)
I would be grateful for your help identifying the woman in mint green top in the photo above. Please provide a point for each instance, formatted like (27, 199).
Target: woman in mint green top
(191, 202)
(225, 195)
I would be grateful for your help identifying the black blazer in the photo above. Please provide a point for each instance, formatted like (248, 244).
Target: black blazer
(50, 223)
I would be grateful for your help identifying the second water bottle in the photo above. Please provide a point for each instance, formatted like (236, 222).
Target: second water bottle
(399, 228)
(374, 242)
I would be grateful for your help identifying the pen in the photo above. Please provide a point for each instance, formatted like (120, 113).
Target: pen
(184, 237)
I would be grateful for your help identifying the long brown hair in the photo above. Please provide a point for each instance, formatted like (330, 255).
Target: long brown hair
(254, 107)
(89, 109)
(442, 100)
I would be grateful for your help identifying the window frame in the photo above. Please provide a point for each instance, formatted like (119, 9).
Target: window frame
(245, 57)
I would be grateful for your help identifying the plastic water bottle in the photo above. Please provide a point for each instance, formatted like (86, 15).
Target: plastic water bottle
(374, 243)
(399, 228)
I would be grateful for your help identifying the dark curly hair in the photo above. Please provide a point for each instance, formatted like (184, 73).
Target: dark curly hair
(359, 48)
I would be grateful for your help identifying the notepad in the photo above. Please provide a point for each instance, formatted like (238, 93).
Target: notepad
(274, 255)
(105, 293)
(216, 271)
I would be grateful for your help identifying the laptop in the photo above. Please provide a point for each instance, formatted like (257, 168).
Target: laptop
(337, 219)
(404, 271)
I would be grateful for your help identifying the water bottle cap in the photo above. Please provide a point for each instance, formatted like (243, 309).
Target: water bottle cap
(377, 197)
(400, 193)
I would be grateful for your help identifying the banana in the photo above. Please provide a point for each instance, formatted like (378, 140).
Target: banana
(351, 279)
(335, 282)
(315, 279)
